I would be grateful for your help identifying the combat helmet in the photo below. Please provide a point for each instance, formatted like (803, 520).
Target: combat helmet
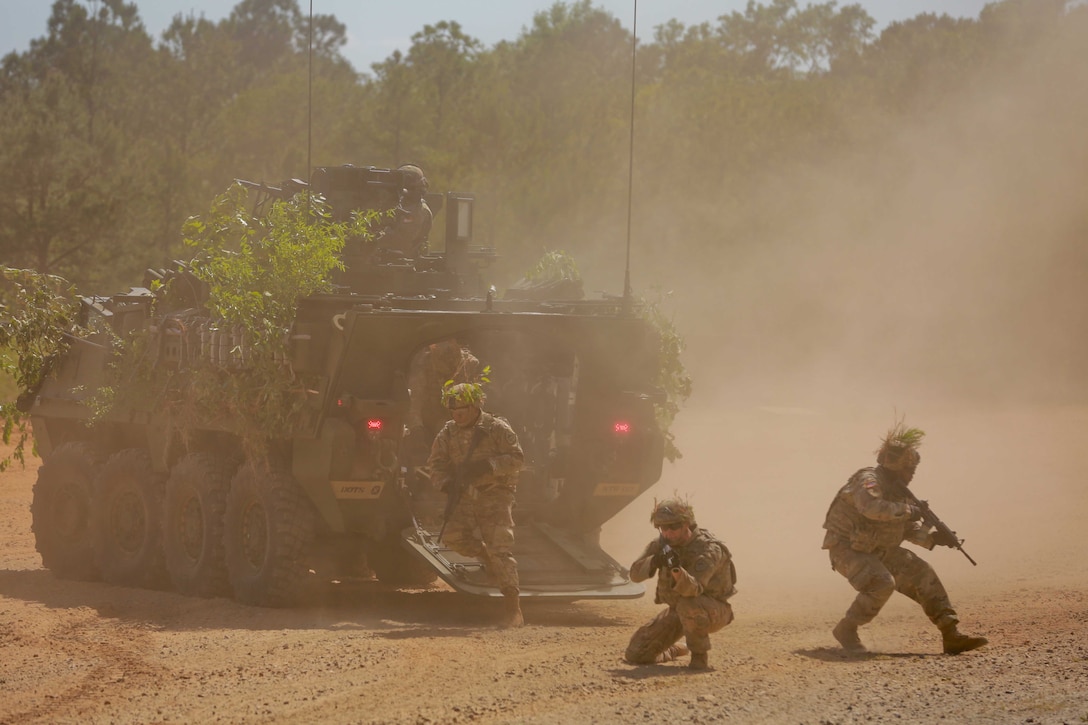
(672, 511)
(458, 394)
(899, 449)
(414, 178)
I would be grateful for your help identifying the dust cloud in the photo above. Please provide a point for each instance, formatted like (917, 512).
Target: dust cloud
(941, 275)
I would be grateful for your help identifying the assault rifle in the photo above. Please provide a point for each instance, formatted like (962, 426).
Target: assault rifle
(671, 558)
(930, 519)
(456, 487)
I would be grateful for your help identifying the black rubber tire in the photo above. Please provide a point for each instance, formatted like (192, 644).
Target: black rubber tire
(62, 517)
(271, 530)
(194, 524)
(396, 566)
(128, 506)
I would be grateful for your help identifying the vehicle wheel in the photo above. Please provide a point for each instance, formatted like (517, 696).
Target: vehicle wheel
(61, 512)
(394, 565)
(128, 503)
(271, 530)
(193, 525)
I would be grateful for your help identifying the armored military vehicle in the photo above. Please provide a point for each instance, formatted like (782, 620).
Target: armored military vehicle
(139, 498)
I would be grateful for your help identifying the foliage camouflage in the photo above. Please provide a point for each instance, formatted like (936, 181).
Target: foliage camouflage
(256, 268)
(673, 377)
(902, 437)
(468, 393)
(554, 265)
(37, 312)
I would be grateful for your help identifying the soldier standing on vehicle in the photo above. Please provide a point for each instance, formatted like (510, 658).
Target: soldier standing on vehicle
(695, 578)
(476, 459)
(410, 227)
(867, 521)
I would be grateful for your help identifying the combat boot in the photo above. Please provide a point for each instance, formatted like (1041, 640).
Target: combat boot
(674, 652)
(846, 632)
(512, 615)
(698, 661)
(955, 642)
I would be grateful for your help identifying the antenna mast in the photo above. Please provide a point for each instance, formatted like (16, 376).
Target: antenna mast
(627, 302)
(310, 98)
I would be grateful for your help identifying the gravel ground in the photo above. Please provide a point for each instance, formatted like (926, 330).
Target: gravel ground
(92, 653)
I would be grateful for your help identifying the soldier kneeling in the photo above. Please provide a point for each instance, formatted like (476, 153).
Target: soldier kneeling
(695, 578)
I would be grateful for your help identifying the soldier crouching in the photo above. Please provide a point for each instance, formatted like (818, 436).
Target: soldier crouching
(868, 520)
(695, 578)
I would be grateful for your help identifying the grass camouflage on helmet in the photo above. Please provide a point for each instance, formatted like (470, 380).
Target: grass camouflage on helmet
(672, 511)
(899, 448)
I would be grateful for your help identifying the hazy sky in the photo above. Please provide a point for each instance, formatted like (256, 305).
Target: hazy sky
(376, 29)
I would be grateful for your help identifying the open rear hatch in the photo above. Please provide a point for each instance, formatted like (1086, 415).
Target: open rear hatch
(552, 563)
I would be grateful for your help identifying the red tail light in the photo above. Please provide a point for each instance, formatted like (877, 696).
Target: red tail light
(621, 427)
(374, 425)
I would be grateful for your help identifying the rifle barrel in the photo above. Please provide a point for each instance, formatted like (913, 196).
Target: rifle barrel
(931, 519)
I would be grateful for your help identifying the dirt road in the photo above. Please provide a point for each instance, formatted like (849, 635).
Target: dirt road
(759, 476)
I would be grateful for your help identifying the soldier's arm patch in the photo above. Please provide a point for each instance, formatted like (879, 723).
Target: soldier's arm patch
(702, 565)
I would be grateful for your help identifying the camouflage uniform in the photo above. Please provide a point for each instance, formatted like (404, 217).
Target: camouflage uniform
(697, 605)
(482, 524)
(866, 523)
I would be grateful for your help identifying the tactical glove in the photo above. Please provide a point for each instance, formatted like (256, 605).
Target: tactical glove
(914, 512)
(659, 560)
(945, 538)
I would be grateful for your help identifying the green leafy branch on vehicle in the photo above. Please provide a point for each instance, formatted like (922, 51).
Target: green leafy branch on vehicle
(255, 268)
(37, 312)
(673, 377)
(555, 265)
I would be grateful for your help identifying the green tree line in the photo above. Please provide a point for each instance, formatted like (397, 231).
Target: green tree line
(110, 139)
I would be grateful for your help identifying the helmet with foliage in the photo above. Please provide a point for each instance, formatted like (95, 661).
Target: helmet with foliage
(899, 449)
(672, 511)
(459, 394)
